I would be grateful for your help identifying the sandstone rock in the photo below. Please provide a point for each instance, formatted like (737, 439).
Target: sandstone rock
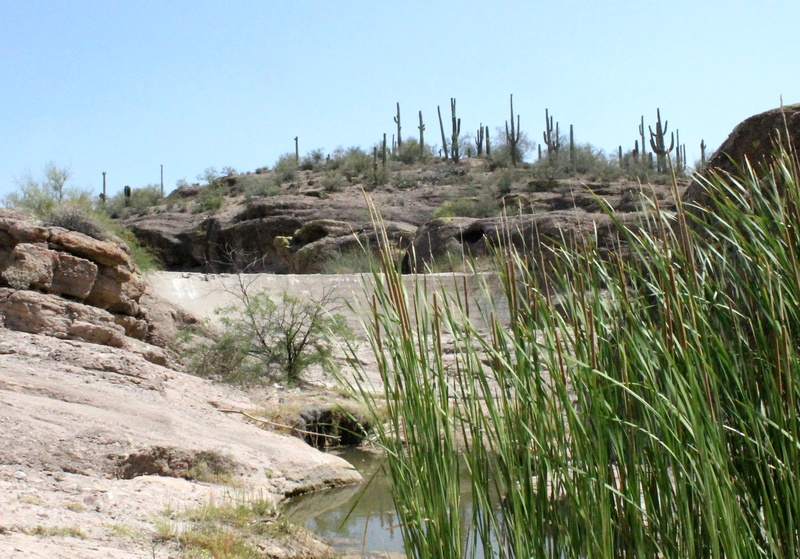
(171, 236)
(752, 140)
(30, 265)
(22, 230)
(164, 320)
(84, 246)
(307, 250)
(117, 289)
(73, 276)
(136, 328)
(39, 313)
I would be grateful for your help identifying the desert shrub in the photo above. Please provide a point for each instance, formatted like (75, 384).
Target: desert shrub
(76, 217)
(144, 257)
(210, 176)
(285, 169)
(410, 152)
(140, 202)
(312, 161)
(333, 182)
(500, 155)
(257, 186)
(478, 206)
(210, 199)
(504, 180)
(353, 162)
(263, 340)
(38, 197)
(353, 261)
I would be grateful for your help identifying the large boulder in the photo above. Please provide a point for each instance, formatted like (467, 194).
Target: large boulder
(752, 142)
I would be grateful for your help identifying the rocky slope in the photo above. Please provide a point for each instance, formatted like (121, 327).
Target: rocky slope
(99, 427)
(297, 226)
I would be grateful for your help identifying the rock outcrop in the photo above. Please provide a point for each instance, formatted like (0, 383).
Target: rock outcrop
(751, 142)
(535, 234)
(68, 285)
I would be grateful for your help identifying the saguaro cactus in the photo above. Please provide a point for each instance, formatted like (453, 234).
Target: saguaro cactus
(658, 145)
(703, 147)
(455, 155)
(641, 134)
(513, 135)
(479, 140)
(571, 147)
(551, 135)
(399, 137)
(421, 137)
(441, 127)
(488, 144)
(127, 192)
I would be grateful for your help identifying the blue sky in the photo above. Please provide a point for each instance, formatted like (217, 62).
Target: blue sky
(125, 87)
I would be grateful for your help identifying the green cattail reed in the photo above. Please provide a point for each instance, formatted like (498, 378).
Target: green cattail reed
(642, 403)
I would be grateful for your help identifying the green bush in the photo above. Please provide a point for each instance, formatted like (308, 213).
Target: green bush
(140, 202)
(263, 340)
(353, 162)
(285, 169)
(38, 197)
(355, 261)
(333, 182)
(410, 152)
(481, 206)
(144, 257)
(313, 160)
(77, 217)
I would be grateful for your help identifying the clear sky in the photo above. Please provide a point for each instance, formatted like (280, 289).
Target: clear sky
(126, 86)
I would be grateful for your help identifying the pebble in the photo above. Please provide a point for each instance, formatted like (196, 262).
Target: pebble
(20, 475)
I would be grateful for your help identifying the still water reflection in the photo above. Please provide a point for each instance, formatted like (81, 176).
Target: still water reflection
(359, 519)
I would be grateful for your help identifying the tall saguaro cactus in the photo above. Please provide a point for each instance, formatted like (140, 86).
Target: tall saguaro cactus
(399, 137)
(455, 155)
(551, 136)
(488, 143)
(513, 135)
(441, 127)
(641, 134)
(421, 137)
(703, 147)
(658, 144)
(479, 140)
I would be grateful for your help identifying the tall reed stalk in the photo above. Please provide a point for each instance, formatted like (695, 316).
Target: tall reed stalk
(642, 403)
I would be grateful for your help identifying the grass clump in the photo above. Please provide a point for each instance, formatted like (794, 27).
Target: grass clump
(57, 531)
(228, 528)
(643, 405)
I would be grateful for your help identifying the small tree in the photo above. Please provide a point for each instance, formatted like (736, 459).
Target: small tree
(263, 338)
(41, 196)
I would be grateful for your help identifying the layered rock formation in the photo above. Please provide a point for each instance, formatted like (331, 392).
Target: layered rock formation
(68, 285)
